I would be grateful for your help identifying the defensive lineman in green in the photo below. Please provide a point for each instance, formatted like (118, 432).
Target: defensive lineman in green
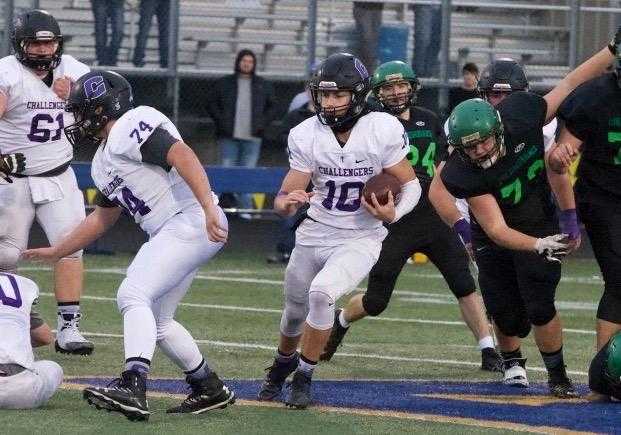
(499, 168)
(395, 86)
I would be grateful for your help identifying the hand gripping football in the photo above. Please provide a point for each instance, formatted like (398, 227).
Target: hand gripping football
(381, 184)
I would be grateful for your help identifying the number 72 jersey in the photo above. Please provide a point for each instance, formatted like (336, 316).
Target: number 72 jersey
(148, 192)
(338, 173)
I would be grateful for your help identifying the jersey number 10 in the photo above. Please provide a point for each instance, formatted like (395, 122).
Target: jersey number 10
(341, 203)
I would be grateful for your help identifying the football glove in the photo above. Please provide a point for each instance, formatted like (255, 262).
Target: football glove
(12, 163)
(552, 247)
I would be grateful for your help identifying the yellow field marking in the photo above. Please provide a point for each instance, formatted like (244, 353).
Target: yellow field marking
(432, 418)
(513, 400)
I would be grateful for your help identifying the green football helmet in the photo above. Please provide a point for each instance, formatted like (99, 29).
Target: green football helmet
(472, 122)
(394, 72)
(613, 359)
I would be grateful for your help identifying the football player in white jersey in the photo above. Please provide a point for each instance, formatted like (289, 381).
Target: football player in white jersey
(142, 166)
(24, 383)
(336, 246)
(34, 84)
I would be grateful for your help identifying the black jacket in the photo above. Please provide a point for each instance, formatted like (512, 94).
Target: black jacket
(221, 105)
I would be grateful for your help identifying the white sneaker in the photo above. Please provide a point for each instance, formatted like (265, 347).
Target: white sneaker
(68, 337)
(515, 373)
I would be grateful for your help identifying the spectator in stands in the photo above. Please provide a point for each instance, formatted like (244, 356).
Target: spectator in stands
(104, 11)
(468, 89)
(148, 8)
(427, 38)
(286, 237)
(241, 105)
(368, 18)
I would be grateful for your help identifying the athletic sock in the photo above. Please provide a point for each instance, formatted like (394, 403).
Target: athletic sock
(343, 322)
(200, 372)
(137, 364)
(306, 366)
(517, 353)
(68, 310)
(284, 357)
(554, 361)
(486, 342)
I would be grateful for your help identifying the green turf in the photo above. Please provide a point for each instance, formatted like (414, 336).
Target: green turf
(367, 340)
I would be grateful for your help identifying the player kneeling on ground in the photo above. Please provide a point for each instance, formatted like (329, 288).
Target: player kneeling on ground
(24, 382)
(339, 150)
(143, 166)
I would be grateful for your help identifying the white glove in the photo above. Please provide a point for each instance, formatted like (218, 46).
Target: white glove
(552, 247)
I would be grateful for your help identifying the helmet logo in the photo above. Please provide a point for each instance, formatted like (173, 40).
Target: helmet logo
(44, 34)
(327, 85)
(393, 77)
(471, 138)
(362, 70)
(502, 87)
(94, 87)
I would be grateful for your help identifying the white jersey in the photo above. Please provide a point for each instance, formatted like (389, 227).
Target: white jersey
(377, 141)
(149, 193)
(17, 295)
(35, 116)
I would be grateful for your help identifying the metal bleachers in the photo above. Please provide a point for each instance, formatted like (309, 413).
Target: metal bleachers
(212, 31)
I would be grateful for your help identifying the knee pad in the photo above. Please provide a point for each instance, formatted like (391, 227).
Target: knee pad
(293, 317)
(609, 308)
(9, 255)
(130, 296)
(512, 325)
(320, 310)
(542, 313)
(374, 305)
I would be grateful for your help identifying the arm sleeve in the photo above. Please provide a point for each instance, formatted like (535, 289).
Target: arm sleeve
(101, 201)
(155, 149)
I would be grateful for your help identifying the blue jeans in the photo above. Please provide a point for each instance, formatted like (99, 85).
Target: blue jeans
(104, 10)
(148, 8)
(427, 39)
(240, 152)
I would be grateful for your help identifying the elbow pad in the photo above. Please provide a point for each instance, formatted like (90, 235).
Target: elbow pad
(410, 194)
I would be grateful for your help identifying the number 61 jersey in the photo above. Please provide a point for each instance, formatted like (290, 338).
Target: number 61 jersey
(35, 116)
(150, 193)
(339, 173)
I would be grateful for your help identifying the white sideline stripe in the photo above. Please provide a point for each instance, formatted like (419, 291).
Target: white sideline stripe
(433, 298)
(344, 354)
(276, 311)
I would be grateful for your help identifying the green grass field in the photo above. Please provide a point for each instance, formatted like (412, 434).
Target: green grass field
(233, 310)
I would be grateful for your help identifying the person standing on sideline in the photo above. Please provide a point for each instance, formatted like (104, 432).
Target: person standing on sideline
(241, 105)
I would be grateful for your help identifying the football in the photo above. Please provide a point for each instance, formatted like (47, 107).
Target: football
(381, 184)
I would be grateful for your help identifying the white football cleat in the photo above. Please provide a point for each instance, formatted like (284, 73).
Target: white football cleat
(515, 373)
(68, 337)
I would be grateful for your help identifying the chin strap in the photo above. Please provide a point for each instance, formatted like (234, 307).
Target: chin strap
(410, 194)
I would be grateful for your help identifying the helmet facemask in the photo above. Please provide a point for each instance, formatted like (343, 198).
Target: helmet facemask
(40, 62)
(396, 102)
(83, 132)
(473, 140)
(340, 118)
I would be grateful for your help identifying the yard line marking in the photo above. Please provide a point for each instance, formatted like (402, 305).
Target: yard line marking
(278, 311)
(436, 298)
(344, 354)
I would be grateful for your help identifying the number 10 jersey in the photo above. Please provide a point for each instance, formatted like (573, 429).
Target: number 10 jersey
(377, 141)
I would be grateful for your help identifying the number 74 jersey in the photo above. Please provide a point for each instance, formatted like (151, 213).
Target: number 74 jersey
(338, 173)
(150, 193)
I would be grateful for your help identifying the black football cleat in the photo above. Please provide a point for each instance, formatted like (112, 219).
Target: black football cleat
(491, 361)
(561, 386)
(209, 393)
(300, 393)
(126, 395)
(335, 339)
(275, 378)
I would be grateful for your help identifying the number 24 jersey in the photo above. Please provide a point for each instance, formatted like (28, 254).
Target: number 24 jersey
(377, 141)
